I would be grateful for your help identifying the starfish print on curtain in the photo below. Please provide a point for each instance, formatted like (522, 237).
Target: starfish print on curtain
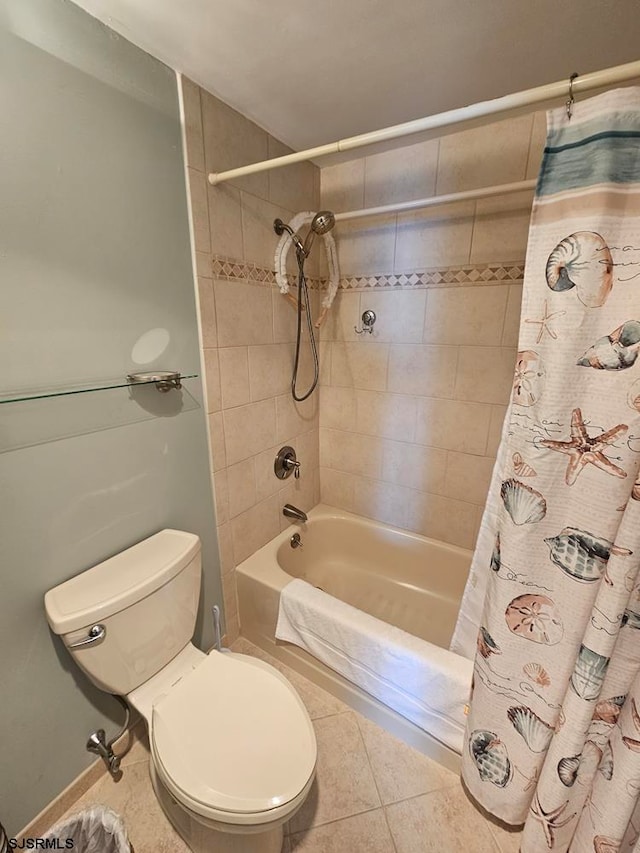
(551, 820)
(584, 450)
(544, 323)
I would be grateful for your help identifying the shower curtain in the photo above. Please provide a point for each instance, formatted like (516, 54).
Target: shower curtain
(553, 734)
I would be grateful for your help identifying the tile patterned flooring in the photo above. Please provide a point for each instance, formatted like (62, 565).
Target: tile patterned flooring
(372, 794)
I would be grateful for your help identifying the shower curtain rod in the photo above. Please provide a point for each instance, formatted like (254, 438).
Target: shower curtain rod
(433, 201)
(496, 107)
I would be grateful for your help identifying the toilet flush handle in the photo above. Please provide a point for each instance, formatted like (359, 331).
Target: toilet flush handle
(96, 633)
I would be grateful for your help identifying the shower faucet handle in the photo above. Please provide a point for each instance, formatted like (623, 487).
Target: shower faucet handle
(292, 465)
(296, 470)
(286, 463)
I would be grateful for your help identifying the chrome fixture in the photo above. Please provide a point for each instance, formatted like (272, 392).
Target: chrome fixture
(321, 223)
(291, 511)
(164, 380)
(280, 227)
(569, 104)
(94, 635)
(217, 643)
(285, 463)
(295, 541)
(368, 319)
(97, 743)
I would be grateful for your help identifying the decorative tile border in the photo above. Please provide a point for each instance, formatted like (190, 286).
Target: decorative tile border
(232, 269)
(443, 277)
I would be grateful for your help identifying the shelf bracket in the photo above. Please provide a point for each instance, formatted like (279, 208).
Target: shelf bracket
(164, 380)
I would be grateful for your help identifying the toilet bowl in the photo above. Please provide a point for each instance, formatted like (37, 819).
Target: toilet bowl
(233, 751)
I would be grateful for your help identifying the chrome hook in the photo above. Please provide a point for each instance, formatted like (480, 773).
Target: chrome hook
(368, 319)
(571, 100)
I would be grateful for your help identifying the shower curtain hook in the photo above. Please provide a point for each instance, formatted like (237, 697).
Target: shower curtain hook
(571, 101)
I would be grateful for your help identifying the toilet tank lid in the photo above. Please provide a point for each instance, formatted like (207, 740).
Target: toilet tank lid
(120, 581)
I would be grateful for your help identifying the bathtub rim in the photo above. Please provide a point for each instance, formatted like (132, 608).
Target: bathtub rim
(277, 578)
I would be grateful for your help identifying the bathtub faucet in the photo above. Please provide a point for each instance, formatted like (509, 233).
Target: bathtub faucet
(291, 511)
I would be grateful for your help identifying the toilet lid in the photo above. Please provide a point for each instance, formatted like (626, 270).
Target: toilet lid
(233, 735)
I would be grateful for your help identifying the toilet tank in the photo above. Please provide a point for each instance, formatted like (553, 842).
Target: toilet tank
(145, 599)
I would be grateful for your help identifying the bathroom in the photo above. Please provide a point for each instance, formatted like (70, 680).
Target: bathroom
(120, 256)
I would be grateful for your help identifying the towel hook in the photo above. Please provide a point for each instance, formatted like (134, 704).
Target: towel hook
(368, 319)
(571, 100)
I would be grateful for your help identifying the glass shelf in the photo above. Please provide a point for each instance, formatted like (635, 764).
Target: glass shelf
(21, 395)
(41, 416)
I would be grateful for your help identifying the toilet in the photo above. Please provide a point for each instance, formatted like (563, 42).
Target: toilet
(233, 751)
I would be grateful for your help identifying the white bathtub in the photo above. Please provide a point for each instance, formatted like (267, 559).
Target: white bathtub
(399, 577)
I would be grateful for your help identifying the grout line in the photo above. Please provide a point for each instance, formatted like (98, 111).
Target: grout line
(375, 782)
(386, 820)
(437, 173)
(368, 757)
(529, 148)
(486, 445)
(473, 230)
(410, 489)
(364, 181)
(425, 315)
(504, 318)
(455, 380)
(395, 241)
(337, 820)
(201, 123)
(414, 442)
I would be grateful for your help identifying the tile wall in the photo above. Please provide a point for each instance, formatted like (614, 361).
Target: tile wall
(248, 330)
(408, 420)
(410, 416)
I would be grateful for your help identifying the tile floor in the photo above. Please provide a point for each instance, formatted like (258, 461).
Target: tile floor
(372, 794)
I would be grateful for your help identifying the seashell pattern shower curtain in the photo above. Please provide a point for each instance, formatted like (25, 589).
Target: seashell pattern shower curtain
(553, 734)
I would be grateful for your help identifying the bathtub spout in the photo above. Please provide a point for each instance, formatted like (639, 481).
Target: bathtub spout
(291, 511)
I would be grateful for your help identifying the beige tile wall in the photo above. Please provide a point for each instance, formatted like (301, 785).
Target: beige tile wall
(248, 331)
(410, 417)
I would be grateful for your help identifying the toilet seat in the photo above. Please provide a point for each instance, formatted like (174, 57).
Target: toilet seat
(232, 741)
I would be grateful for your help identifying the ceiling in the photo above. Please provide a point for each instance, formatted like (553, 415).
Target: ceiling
(313, 71)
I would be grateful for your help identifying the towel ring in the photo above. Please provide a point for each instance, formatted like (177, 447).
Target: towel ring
(571, 100)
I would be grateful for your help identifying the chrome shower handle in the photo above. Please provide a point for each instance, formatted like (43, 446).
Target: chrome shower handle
(289, 464)
(285, 463)
(96, 633)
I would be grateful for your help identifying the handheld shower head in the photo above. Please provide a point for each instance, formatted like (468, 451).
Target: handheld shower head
(321, 223)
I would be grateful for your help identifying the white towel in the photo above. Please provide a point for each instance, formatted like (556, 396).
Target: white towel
(424, 683)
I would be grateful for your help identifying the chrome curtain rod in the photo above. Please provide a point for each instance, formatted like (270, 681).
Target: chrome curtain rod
(434, 201)
(529, 97)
